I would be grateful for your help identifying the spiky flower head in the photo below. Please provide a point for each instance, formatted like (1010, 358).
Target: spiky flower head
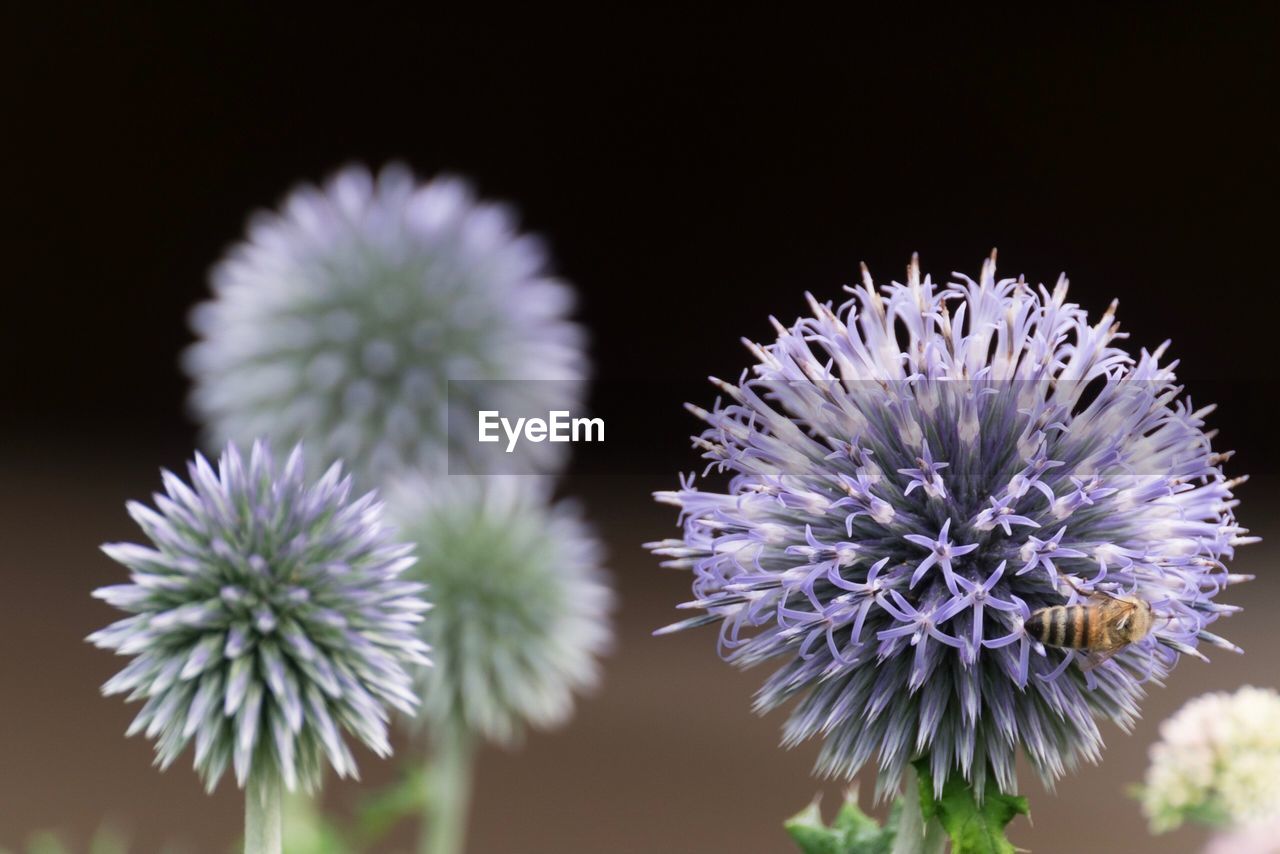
(522, 601)
(913, 475)
(267, 616)
(1217, 762)
(341, 318)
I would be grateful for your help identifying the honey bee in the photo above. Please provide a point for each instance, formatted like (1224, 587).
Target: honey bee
(1100, 627)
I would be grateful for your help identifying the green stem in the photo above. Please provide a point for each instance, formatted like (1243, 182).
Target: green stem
(935, 837)
(449, 771)
(915, 835)
(263, 824)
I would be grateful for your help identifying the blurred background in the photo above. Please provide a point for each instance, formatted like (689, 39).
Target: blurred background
(693, 173)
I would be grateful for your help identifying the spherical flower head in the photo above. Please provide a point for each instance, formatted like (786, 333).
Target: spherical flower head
(341, 319)
(522, 601)
(913, 475)
(1217, 762)
(267, 616)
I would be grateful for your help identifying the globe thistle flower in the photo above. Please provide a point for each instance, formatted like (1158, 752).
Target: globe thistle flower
(522, 601)
(913, 475)
(267, 616)
(1217, 762)
(341, 318)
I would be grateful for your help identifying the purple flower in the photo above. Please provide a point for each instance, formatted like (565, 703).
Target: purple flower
(941, 551)
(521, 601)
(912, 475)
(926, 475)
(267, 617)
(355, 317)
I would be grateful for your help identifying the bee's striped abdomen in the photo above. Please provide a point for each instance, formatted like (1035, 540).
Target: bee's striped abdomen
(1070, 626)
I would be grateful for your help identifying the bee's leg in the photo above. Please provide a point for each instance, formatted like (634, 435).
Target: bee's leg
(1067, 581)
(1097, 659)
(1087, 595)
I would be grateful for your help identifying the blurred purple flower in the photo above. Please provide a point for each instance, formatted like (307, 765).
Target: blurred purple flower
(912, 475)
(341, 319)
(521, 601)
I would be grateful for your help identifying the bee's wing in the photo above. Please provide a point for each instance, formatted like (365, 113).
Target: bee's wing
(1117, 610)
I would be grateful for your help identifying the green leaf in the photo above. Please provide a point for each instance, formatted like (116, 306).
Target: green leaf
(974, 828)
(108, 840)
(382, 811)
(46, 843)
(809, 832)
(852, 831)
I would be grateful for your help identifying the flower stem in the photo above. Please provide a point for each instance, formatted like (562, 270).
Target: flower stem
(915, 835)
(263, 823)
(449, 769)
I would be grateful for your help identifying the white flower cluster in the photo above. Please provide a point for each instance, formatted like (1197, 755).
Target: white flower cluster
(1259, 838)
(1217, 762)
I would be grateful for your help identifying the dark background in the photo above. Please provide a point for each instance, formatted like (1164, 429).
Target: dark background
(693, 172)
